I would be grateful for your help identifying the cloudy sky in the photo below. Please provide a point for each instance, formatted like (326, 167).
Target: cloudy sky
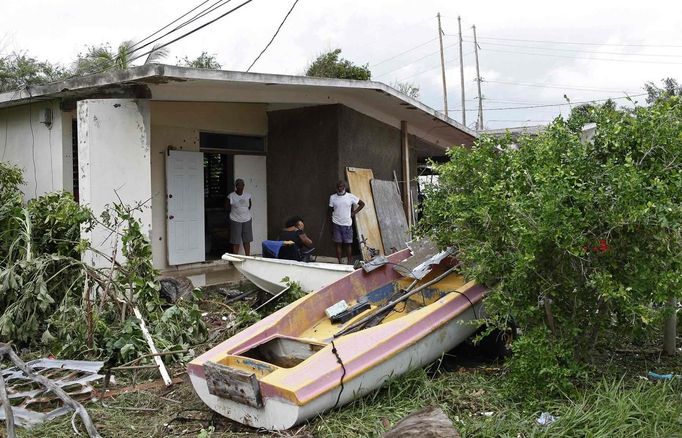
(532, 54)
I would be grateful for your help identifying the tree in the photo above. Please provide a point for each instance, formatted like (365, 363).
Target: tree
(407, 88)
(329, 65)
(102, 58)
(670, 88)
(579, 242)
(19, 69)
(202, 61)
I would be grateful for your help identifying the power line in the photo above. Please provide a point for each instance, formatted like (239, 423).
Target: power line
(273, 37)
(580, 51)
(556, 86)
(560, 104)
(581, 43)
(213, 7)
(169, 24)
(416, 60)
(585, 58)
(402, 53)
(449, 61)
(194, 30)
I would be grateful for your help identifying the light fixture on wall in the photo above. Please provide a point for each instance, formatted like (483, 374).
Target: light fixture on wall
(46, 117)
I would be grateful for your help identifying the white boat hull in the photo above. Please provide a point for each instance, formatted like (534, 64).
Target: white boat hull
(280, 414)
(268, 273)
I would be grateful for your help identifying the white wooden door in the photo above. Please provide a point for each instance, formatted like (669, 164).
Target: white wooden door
(185, 207)
(251, 168)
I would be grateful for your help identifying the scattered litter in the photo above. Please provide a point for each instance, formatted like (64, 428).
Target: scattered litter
(488, 413)
(656, 376)
(42, 383)
(224, 318)
(546, 419)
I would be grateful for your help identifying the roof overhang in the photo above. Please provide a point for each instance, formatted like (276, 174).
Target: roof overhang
(171, 83)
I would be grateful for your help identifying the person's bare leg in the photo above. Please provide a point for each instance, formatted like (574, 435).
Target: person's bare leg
(338, 252)
(348, 254)
(235, 249)
(247, 248)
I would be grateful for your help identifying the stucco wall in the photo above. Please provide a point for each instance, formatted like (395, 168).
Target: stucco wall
(303, 169)
(114, 163)
(25, 141)
(177, 125)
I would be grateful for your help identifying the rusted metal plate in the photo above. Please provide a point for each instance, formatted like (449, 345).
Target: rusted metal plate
(233, 384)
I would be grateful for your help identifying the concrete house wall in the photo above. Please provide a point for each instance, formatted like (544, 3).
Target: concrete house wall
(42, 152)
(177, 125)
(309, 150)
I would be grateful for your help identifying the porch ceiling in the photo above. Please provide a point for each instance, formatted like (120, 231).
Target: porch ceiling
(171, 83)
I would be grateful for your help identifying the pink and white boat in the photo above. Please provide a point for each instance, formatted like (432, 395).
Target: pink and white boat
(297, 362)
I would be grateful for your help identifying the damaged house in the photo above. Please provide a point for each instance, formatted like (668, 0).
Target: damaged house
(176, 138)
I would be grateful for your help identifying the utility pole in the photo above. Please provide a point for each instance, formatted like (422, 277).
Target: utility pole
(442, 66)
(479, 123)
(461, 71)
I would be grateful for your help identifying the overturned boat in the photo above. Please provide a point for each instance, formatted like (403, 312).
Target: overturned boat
(337, 344)
(267, 273)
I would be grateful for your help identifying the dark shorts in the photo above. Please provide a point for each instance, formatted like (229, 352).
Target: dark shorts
(240, 232)
(342, 234)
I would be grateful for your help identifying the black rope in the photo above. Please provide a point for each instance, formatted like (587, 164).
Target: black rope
(470, 302)
(338, 359)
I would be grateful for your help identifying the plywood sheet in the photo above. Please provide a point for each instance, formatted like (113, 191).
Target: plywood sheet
(366, 222)
(390, 215)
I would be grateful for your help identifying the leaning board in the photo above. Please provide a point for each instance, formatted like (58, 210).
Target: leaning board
(390, 215)
(366, 222)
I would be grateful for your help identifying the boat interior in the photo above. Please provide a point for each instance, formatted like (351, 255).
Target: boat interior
(307, 328)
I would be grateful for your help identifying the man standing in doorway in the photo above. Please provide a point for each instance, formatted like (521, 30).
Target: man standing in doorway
(240, 218)
(342, 207)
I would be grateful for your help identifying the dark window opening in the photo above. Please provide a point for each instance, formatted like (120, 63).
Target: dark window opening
(74, 158)
(229, 142)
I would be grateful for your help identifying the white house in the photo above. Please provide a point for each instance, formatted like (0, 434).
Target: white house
(176, 138)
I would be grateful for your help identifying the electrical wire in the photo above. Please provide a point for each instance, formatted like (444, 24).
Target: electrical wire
(574, 42)
(169, 24)
(213, 7)
(557, 86)
(635, 61)
(275, 35)
(558, 104)
(194, 30)
(402, 53)
(576, 51)
(447, 62)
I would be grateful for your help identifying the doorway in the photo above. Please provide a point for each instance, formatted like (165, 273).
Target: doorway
(218, 181)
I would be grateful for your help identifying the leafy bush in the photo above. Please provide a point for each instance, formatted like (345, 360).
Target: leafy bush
(539, 368)
(57, 219)
(579, 239)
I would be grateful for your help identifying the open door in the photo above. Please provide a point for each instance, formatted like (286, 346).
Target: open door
(185, 207)
(251, 168)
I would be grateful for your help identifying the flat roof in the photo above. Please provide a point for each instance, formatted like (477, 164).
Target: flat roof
(172, 83)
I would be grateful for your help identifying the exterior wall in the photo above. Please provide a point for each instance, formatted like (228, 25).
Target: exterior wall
(303, 159)
(177, 125)
(114, 163)
(35, 148)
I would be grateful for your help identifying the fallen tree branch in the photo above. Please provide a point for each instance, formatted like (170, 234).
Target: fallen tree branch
(6, 350)
(9, 415)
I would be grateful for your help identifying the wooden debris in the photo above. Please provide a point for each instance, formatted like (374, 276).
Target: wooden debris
(157, 358)
(427, 423)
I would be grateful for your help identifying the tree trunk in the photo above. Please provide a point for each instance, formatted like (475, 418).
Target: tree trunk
(670, 330)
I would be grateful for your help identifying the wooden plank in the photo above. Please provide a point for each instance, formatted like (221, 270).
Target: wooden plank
(366, 222)
(233, 384)
(390, 215)
(157, 358)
